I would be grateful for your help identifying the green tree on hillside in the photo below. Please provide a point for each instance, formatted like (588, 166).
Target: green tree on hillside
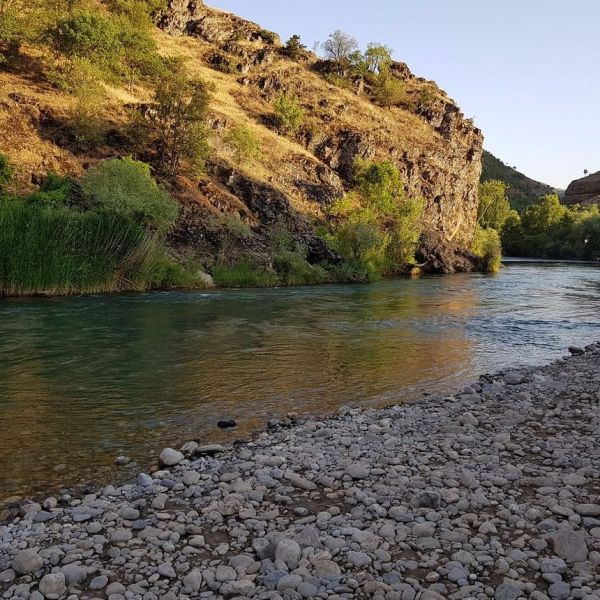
(494, 206)
(181, 105)
(339, 47)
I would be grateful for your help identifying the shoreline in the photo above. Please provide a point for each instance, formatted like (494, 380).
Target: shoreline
(489, 493)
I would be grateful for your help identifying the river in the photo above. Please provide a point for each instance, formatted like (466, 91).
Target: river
(85, 379)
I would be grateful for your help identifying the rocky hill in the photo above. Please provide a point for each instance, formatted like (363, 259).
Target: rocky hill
(522, 190)
(584, 191)
(437, 150)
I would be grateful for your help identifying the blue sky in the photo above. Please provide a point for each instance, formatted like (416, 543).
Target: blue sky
(527, 71)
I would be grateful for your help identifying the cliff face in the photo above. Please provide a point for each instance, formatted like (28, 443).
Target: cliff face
(584, 191)
(437, 150)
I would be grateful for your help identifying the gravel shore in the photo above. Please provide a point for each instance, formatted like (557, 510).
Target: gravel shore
(490, 493)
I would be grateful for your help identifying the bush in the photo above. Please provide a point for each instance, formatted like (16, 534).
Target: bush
(89, 35)
(126, 187)
(294, 47)
(294, 269)
(55, 192)
(388, 90)
(244, 144)
(375, 225)
(487, 245)
(288, 113)
(244, 275)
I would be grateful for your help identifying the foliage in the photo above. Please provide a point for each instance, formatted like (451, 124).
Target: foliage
(6, 171)
(56, 191)
(494, 206)
(243, 275)
(388, 90)
(548, 229)
(375, 225)
(126, 187)
(232, 232)
(294, 47)
(178, 123)
(288, 113)
(339, 47)
(89, 35)
(377, 58)
(294, 269)
(244, 143)
(487, 245)
(11, 28)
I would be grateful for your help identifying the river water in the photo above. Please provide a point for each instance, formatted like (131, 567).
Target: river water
(85, 379)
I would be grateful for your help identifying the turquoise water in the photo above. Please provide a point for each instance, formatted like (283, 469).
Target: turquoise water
(85, 379)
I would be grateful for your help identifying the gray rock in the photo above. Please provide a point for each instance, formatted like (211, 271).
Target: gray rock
(27, 561)
(170, 457)
(53, 585)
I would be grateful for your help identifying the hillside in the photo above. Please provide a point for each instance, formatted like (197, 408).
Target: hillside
(522, 191)
(296, 176)
(584, 191)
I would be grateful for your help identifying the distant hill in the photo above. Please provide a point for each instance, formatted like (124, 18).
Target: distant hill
(522, 191)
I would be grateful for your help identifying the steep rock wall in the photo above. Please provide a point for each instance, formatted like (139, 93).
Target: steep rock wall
(436, 149)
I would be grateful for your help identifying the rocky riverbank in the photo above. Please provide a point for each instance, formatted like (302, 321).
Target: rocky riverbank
(490, 493)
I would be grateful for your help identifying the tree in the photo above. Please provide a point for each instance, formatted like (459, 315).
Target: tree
(126, 187)
(487, 245)
(338, 48)
(546, 213)
(375, 224)
(181, 105)
(585, 172)
(494, 206)
(294, 47)
(288, 113)
(378, 58)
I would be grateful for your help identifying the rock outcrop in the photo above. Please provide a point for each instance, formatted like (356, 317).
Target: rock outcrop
(437, 150)
(584, 191)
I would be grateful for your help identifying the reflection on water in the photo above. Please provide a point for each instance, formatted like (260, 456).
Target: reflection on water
(83, 380)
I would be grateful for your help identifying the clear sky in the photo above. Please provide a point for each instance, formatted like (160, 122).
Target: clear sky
(528, 71)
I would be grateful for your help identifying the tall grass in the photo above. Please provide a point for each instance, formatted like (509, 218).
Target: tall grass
(63, 251)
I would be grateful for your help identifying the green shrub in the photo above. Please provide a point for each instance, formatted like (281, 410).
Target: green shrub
(375, 225)
(289, 114)
(244, 144)
(126, 187)
(388, 90)
(487, 245)
(90, 35)
(294, 47)
(294, 269)
(56, 191)
(244, 275)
